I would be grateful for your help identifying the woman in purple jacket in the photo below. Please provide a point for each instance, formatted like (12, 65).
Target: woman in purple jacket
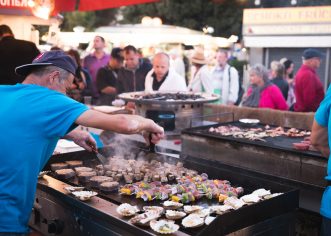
(262, 93)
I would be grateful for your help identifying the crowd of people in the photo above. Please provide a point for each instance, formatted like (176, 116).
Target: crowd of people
(43, 113)
(103, 76)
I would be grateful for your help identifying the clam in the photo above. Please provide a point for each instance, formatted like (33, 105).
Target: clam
(144, 218)
(220, 209)
(154, 208)
(172, 205)
(234, 202)
(164, 226)
(174, 215)
(84, 195)
(209, 219)
(191, 209)
(192, 221)
(261, 192)
(250, 198)
(202, 213)
(126, 209)
(73, 189)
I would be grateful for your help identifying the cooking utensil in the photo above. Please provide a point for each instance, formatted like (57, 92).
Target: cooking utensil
(102, 158)
(151, 148)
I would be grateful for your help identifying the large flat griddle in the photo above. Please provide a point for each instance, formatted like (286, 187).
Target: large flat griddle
(282, 142)
(223, 224)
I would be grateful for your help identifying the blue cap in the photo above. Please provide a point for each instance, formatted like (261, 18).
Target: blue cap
(311, 52)
(56, 58)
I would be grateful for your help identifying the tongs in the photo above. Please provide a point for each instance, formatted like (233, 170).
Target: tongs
(152, 149)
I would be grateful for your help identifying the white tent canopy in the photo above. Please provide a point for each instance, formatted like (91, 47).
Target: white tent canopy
(143, 36)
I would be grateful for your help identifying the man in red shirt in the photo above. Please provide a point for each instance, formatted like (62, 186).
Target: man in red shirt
(309, 91)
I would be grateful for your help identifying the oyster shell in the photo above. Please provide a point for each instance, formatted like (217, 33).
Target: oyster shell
(202, 213)
(172, 205)
(126, 209)
(234, 202)
(84, 195)
(209, 219)
(164, 226)
(144, 218)
(193, 208)
(261, 192)
(192, 221)
(159, 209)
(174, 215)
(250, 198)
(73, 189)
(220, 209)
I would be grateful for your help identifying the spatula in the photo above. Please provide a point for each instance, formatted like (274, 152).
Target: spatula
(102, 158)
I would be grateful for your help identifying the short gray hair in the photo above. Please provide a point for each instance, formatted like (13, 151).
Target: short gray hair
(40, 71)
(260, 71)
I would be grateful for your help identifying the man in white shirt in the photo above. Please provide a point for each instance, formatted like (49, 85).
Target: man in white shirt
(163, 78)
(225, 79)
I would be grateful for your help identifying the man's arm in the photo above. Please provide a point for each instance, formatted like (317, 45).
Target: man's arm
(125, 124)
(319, 139)
(83, 139)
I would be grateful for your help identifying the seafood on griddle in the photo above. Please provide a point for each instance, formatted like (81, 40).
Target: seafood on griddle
(209, 219)
(144, 218)
(192, 208)
(154, 208)
(257, 134)
(234, 202)
(164, 226)
(220, 209)
(192, 221)
(172, 205)
(127, 209)
(174, 215)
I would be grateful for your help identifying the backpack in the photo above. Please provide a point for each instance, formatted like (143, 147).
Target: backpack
(241, 90)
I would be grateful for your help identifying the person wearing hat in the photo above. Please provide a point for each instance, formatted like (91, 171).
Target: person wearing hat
(201, 76)
(308, 90)
(107, 77)
(225, 79)
(34, 116)
(162, 77)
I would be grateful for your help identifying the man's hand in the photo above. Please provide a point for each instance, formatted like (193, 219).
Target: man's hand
(156, 131)
(83, 139)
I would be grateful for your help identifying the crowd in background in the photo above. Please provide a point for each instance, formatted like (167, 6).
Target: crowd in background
(103, 76)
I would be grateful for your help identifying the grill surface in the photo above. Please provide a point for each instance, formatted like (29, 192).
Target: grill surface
(275, 158)
(280, 207)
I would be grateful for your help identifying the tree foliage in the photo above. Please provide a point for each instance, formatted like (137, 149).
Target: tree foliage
(90, 20)
(226, 18)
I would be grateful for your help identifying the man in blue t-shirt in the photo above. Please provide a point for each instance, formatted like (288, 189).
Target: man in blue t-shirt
(321, 139)
(34, 116)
